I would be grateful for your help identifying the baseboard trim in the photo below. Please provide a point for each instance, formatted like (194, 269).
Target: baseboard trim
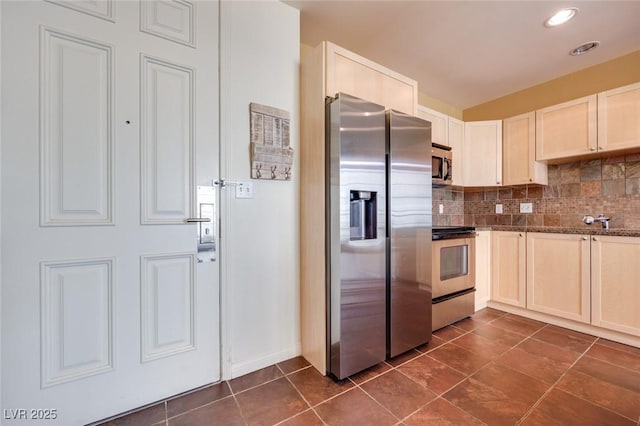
(566, 323)
(480, 304)
(246, 367)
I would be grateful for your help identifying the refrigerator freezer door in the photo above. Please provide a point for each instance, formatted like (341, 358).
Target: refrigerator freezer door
(409, 223)
(356, 235)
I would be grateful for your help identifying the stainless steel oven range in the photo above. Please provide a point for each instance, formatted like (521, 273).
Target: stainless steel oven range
(453, 274)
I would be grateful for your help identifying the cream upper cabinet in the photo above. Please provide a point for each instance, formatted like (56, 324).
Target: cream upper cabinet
(358, 76)
(482, 153)
(439, 124)
(607, 121)
(567, 130)
(619, 118)
(508, 271)
(447, 131)
(456, 142)
(483, 269)
(558, 275)
(615, 286)
(519, 165)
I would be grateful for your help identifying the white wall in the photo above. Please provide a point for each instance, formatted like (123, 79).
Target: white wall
(260, 236)
(0, 218)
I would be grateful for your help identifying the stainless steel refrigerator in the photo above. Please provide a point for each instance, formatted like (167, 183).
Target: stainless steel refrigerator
(378, 212)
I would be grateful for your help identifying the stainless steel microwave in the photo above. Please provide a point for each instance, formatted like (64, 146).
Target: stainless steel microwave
(440, 164)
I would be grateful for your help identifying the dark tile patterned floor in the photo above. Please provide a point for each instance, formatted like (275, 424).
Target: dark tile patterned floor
(493, 368)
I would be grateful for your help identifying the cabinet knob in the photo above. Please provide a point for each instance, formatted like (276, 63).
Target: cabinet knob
(592, 149)
(595, 239)
(584, 238)
(520, 234)
(530, 180)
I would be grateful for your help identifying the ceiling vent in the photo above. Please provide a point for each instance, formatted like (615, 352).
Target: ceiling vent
(584, 48)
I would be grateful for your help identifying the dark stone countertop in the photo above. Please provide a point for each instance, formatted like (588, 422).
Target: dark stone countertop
(593, 230)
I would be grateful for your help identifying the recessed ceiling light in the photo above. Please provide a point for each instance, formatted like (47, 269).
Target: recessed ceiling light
(561, 16)
(584, 48)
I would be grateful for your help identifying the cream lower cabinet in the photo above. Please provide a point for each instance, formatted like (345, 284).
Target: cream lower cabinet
(558, 275)
(483, 269)
(615, 283)
(508, 259)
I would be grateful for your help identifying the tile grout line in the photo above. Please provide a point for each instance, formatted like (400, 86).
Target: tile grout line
(530, 337)
(460, 347)
(468, 376)
(391, 367)
(420, 354)
(439, 395)
(235, 399)
(611, 363)
(553, 386)
(311, 407)
(359, 386)
(593, 402)
(242, 415)
(398, 420)
(198, 407)
(395, 367)
(256, 386)
(448, 402)
(612, 384)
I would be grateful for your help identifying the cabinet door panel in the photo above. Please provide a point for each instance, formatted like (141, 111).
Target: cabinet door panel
(519, 150)
(508, 267)
(566, 130)
(619, 118)
(483, 153)
(439, 124)
(483, 269)
(615, 284)
(558, 275)
(357, 76)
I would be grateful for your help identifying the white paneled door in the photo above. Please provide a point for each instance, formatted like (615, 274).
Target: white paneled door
(109, 124)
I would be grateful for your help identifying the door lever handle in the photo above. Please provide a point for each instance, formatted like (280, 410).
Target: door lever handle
(198, 220)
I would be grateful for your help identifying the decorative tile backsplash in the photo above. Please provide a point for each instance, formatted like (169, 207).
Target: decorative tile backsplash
(610, 186)
(452, 200)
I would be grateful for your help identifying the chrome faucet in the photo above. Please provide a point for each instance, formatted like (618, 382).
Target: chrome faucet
(589, 220)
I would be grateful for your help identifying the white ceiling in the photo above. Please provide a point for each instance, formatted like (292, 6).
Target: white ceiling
(468, 52)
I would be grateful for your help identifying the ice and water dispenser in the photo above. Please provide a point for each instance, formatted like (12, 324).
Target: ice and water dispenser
(363, 215)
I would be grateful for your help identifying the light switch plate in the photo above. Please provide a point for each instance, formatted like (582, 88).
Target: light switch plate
(244, 190)
(441, 208)
(526, 207)
(498, 208)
